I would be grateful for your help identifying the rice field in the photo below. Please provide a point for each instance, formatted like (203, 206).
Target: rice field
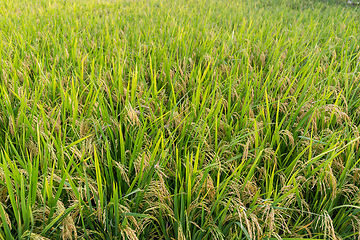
(186, 119)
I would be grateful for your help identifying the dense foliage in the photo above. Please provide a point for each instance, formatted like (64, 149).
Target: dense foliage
(187, 119)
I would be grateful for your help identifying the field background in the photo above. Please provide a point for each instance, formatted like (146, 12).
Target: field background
(179, 119)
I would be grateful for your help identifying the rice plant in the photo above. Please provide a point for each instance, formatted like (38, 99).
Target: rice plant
(187, 119)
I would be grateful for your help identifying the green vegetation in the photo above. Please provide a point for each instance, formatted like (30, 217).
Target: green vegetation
(185, 119)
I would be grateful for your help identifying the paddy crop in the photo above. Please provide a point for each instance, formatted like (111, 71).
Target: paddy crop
(179, 119)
